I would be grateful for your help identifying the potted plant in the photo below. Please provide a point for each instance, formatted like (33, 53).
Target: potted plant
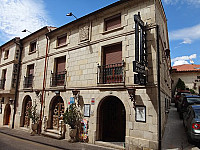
(32, 113)
(72, 117)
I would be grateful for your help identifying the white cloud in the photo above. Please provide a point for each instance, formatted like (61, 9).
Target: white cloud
(186, 41)
(180, 62)
(189, 2)
(186, 34)
(193, 2)
(183, 59)
(172, 2)
(17, 15)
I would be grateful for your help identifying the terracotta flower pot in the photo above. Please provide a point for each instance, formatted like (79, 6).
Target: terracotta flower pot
(34, 128)
(72, 134)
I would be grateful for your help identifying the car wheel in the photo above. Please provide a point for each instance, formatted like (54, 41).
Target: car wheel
(180, 116)
(184, 124)
(190, 140)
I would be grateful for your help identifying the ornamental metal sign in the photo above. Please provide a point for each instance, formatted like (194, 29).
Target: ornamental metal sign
(138, 67)
(140, 51)
(140, 79)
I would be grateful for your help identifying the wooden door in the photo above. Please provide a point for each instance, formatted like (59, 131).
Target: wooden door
(7, 115)
(113, 120)
(58, 111)
(28, 106)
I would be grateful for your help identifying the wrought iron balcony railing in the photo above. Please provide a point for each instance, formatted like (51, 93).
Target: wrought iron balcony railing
(28, 81)
(58, 79)
(2, 83)
(113, 73)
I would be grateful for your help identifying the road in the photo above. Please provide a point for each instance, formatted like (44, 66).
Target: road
(8, 142)
(175, 136)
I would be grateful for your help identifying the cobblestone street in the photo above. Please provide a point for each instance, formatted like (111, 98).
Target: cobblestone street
(175, 136)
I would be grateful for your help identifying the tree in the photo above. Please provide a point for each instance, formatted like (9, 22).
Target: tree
(180, 84)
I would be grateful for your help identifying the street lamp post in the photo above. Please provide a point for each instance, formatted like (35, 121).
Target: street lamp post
(71, 14)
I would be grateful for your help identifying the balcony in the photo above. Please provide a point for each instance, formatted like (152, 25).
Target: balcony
(28, 81)
(2, 83)
(58, 79)
(109, 74)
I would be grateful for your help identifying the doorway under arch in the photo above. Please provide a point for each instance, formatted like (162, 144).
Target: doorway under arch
(27, 104)
(7, 113)
(111, 120)
(56, 111)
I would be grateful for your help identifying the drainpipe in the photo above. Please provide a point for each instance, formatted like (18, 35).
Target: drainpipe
(17, 80)
(44, 83)
(159, 98)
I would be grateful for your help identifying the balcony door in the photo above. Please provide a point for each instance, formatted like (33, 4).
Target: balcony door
(60, 71)
(3, 79)
(28, 81)
(112, 61)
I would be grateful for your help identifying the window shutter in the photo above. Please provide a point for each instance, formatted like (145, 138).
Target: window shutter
(62, 40)
(113, 22)
(30, 70)
(60, 64)
(113, 54)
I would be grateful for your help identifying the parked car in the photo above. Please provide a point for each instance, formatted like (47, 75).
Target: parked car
(178, 95)
(191, 122)
(186, 100)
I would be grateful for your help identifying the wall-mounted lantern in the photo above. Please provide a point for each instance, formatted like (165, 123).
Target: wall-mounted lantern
(57, 92)
(2, 101)
(131, 93)
(75, 92)
(37, 92)
(11, 101)
(167, 52)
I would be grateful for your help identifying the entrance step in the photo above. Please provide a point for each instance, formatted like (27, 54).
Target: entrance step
(52, 133)
(115, 145)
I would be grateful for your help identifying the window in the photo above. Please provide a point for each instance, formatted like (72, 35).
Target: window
(28, 80)
(6, 54)
(3, 79)
(112, 69)
(61, 40)
(112, 54)
(30, 70)
(33, 46)
(113, 22)
(59, 74)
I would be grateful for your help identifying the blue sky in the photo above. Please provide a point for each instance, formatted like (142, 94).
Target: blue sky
(183, 21)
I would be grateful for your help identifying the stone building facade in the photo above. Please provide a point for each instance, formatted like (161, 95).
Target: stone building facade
(189, 73)
(90, 61)
(8, 73)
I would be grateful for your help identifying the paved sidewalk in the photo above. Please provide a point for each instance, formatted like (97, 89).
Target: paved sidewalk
(59, 144)
(175, 137)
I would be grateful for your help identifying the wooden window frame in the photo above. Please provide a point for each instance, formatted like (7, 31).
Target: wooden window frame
(28, 69)
(59, 37)
(111, 18)
(6, 54)
(30, 47)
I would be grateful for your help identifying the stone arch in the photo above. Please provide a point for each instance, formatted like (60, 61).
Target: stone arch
(7, 113)
(27, 103)
(56, 110)
(111, 120)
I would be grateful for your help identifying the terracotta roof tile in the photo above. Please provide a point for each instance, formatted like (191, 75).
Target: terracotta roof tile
(187, 67)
